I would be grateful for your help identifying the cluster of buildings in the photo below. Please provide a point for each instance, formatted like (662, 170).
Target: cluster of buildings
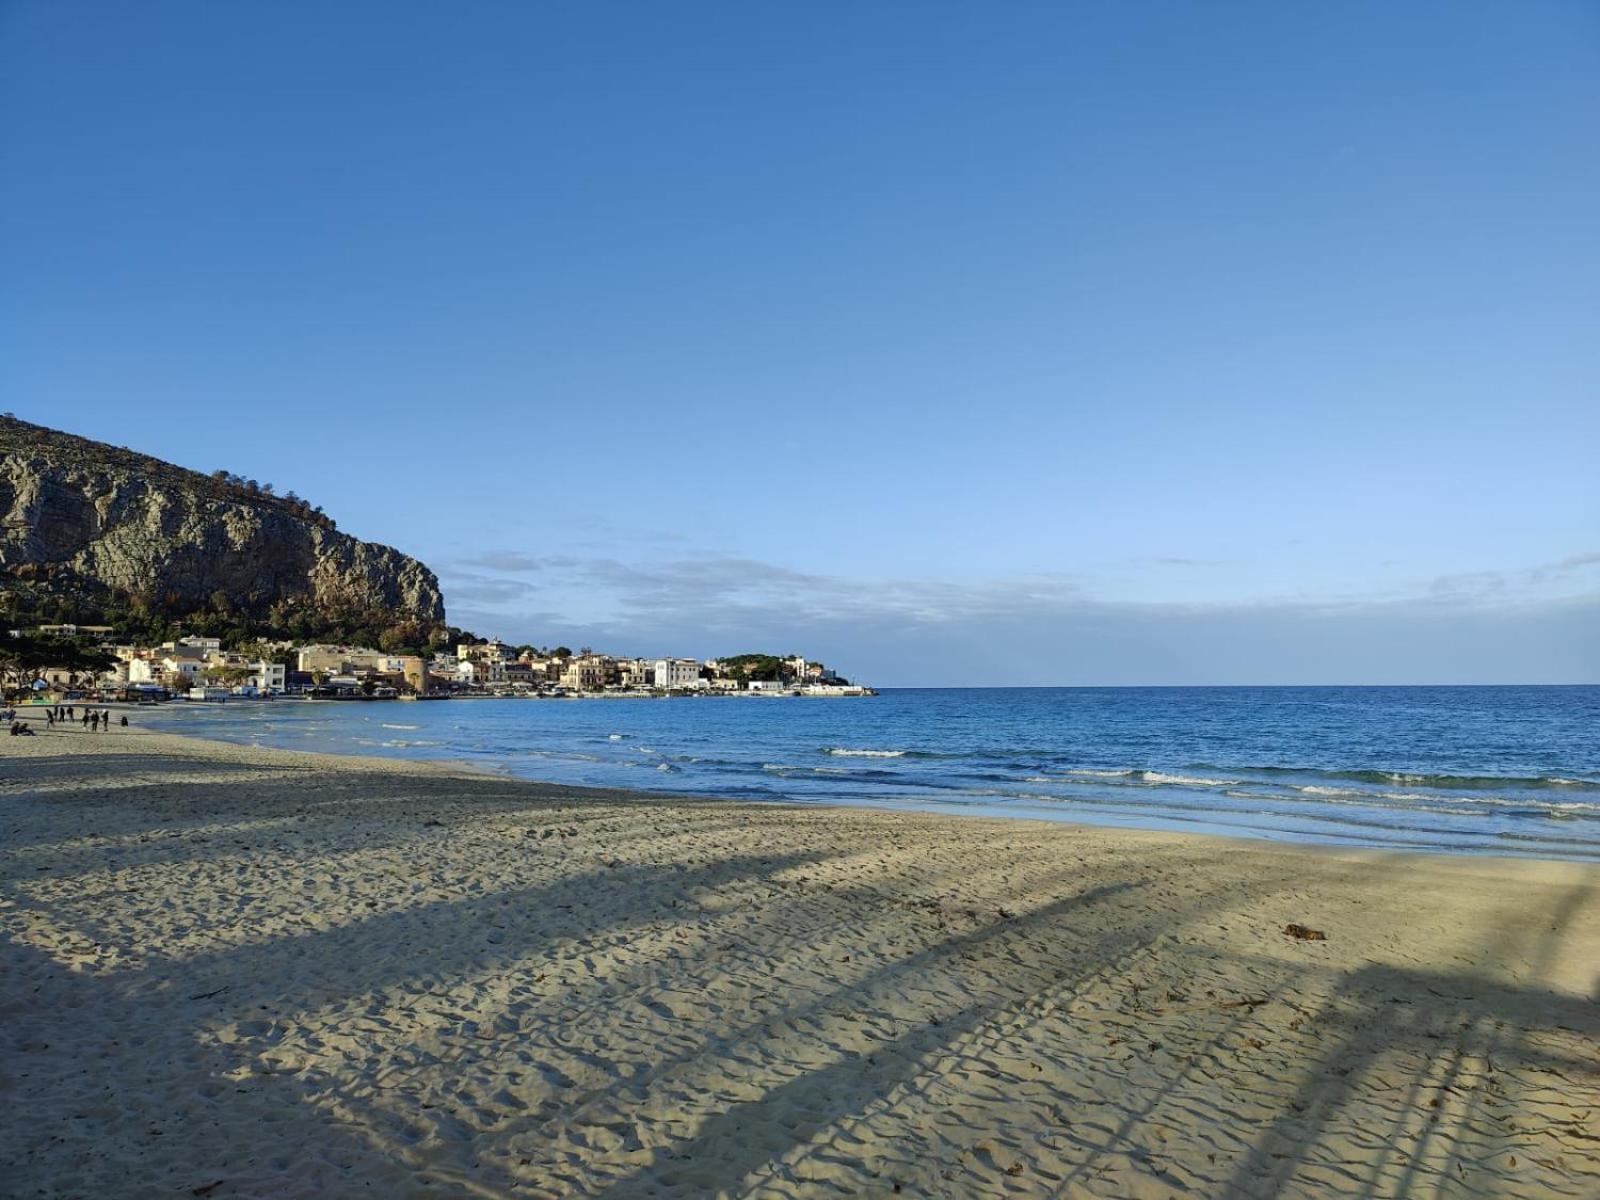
(199, 668)
(494, 666)
(191, 666)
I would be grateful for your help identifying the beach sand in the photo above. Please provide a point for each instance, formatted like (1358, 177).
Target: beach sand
(236, 972)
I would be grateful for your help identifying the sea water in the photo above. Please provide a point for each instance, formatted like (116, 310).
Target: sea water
(1499, 770)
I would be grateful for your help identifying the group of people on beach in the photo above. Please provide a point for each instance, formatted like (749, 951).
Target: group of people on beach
(93, 719)
(96, 720)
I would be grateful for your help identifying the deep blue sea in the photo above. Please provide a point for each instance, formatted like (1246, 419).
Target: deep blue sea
(1497, 770)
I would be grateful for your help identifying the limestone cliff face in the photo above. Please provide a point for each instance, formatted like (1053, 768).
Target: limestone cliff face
(84, 517)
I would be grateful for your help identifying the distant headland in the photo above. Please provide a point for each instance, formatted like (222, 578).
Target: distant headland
(125, 576)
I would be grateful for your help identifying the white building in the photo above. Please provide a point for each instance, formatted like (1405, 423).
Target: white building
(268, 678)
(180, 672)
(677, 674)
(494, 650)
(479, 672)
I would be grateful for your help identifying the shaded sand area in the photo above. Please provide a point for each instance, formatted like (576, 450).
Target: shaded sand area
(272, 974)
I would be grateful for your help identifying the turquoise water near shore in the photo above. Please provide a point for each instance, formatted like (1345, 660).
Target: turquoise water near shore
(1499, 770)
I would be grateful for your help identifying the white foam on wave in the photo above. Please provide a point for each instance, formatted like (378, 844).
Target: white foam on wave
(1095, 773)
(386, 725)
(1186, 780)
(840, 752)
(616, 737)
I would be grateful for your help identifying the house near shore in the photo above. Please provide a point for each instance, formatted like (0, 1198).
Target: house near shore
(494, 650)
(338, 660)
(481, 672)
(676, 675)
(588, 673)
(267, 678)
(179, 668)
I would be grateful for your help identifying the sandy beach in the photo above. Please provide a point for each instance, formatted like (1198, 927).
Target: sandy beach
(236, 972)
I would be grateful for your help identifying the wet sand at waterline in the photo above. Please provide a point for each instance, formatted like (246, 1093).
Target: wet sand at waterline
(238, 972)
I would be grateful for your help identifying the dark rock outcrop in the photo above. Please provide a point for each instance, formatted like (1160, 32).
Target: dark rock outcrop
(83, 519)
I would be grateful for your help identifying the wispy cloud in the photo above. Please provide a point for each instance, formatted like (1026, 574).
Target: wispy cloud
(1517, 585)
(719, 591)
(475, 589)
(724, 590)
(1042, 628)
(501, 560)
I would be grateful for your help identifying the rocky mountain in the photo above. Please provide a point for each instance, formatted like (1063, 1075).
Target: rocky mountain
(89, 530)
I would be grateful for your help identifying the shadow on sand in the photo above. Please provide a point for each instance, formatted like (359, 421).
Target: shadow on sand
(686, 1041)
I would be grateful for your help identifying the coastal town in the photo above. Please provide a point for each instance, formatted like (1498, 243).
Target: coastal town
(93, 665)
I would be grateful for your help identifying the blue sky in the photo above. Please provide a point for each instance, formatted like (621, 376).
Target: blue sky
(1054, 343)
